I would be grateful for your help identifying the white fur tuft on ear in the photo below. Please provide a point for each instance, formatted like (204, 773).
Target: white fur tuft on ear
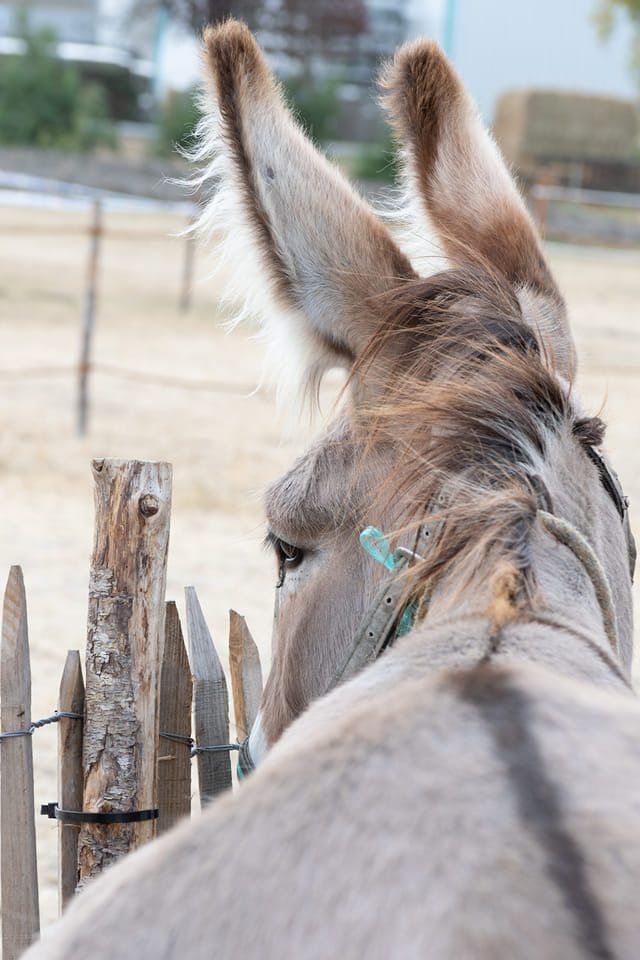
(295, 357)
(413, 231)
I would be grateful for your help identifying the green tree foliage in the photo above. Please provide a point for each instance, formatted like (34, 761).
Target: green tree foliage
(176, 121)
(43, 101)
(377, 161)
(315, 104)
(605, 17)
(606, 13)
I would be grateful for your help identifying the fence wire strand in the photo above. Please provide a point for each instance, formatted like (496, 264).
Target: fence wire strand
(137, 376)
(69, 715)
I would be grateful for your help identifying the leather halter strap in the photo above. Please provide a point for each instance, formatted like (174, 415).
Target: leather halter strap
(379, 629)
(380, 626)
(389, 616)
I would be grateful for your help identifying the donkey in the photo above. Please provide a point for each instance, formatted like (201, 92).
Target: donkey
(448, 746)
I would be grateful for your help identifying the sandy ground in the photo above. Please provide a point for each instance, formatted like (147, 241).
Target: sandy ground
(224, 447)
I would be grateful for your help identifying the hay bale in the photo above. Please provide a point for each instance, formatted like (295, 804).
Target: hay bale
(541, 125)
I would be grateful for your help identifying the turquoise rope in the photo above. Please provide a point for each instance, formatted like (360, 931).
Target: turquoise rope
(377, 546)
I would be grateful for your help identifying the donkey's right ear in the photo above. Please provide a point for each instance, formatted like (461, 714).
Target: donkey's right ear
(290, 216)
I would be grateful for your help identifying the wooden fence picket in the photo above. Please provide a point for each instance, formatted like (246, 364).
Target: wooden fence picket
(211, 703)
(246, 674)
(174, 757)
(18, 866)
(70, 779)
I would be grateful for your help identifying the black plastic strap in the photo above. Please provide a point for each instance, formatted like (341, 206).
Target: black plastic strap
(54, 812)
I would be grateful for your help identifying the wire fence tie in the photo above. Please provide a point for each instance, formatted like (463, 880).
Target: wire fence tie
(195, 749)
(36, 724)
(217, 748)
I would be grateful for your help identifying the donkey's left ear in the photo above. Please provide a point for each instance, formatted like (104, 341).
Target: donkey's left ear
(303, 240)
(456, 174)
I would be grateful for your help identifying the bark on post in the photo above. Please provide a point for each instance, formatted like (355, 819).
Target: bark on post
(125, 636)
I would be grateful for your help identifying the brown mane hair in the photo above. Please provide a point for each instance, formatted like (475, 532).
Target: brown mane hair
(469, 397)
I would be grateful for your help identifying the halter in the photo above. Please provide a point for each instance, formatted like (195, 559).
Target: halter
(567, 534)
(389, 616)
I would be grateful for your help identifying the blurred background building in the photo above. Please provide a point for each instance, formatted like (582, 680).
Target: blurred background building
(562, 100)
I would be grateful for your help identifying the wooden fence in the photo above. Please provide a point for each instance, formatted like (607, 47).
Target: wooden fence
(127, 732)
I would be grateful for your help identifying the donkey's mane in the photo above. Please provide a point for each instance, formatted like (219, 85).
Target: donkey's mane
(471, 399)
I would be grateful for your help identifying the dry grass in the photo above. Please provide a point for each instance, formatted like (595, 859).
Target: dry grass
(224, 448)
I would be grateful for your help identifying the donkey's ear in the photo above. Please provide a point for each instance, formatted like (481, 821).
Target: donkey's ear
(464, 188)
(322, 252)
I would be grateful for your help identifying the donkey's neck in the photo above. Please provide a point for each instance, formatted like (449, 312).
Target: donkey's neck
(563, 626)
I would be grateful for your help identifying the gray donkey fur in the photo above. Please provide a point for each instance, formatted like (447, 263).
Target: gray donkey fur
(475, 792)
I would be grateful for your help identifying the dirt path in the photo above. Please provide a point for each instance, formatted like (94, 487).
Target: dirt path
(224, 447)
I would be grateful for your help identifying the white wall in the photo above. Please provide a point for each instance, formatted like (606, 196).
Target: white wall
(498, 44)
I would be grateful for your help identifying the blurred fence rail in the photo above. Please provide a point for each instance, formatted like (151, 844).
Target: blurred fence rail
(136, 376)
(574, 214)
(23, 189)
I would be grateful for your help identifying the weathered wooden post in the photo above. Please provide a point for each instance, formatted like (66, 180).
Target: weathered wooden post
(246, 674)
(125, 635)
(18, 868)
(70, 780)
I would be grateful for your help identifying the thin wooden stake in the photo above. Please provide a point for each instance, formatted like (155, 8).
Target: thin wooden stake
(71, 699)
(211, 703)
(95, 233)
(125, 636)
(174, 759)
(246, 674)
(187, 271)
(18, 865)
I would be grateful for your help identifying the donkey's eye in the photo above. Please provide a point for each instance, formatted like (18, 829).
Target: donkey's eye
(288, 554)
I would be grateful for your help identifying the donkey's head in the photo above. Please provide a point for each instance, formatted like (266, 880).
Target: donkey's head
(458, 385)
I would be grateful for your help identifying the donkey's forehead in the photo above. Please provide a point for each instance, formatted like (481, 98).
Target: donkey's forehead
(320, 491)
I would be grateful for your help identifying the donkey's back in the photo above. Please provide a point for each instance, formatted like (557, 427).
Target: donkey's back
(482, 813)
